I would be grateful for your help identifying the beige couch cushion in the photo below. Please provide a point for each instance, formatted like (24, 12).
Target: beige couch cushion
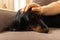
(6, 17)
(54, 34)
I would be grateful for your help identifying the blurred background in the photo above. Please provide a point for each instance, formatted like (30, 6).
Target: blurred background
(13, 4)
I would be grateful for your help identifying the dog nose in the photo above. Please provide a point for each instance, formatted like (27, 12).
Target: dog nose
(39, 29)
(46, 30)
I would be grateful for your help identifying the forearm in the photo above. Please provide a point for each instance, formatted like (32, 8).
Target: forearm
(51, 9)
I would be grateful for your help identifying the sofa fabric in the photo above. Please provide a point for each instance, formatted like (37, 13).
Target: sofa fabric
(6, 18)
(54, 34)
(43, 2)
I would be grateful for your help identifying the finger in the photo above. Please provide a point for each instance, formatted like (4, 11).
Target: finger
(36, 9)
(31, 6)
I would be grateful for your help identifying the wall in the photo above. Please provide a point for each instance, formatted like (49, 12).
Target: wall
(9, 4)
(28, 1)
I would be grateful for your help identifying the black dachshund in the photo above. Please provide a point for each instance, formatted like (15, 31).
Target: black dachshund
(28, 21)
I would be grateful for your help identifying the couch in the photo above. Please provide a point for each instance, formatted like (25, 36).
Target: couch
(6, 17)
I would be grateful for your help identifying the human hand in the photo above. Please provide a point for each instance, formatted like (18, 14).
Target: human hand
(34, 6)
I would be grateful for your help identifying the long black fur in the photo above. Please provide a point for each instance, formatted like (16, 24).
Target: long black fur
(24, 21)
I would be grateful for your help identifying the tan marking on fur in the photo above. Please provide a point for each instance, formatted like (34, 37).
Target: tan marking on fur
(37, 28)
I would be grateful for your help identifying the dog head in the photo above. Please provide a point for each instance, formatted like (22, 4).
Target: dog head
(27, 21)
